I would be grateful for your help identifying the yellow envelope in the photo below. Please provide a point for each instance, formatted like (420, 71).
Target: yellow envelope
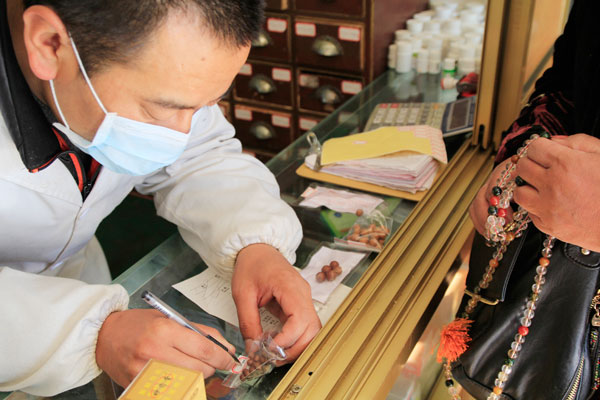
(383, 141)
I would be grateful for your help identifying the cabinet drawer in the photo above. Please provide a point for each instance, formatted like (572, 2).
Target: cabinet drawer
(325, 93)
(276, 4)
(274, 39)
(337, 45)
(264, 129)
(355, 8)
(306, 122)
(264, 83)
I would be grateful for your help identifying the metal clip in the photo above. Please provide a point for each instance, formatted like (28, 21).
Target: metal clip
(315, 148)
(482, 299)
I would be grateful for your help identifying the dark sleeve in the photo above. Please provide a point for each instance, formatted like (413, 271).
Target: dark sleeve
(551, 104)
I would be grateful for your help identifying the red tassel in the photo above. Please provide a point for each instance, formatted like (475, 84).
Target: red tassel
(454, 339)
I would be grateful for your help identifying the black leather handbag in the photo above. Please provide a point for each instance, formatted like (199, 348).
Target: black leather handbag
(560, 356)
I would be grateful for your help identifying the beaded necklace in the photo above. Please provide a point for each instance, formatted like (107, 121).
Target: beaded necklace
(499, 234)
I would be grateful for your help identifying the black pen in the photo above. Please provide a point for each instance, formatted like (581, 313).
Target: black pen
(164, 308)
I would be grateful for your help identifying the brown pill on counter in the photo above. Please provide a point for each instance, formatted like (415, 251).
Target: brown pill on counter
(374, 243)
(326, 268)
(330, 275)
(320, 277)
(359, 212)
(365, 231)
(356, 228)
(337, 269)
(354, 237)
(334, 264)
(364, 240)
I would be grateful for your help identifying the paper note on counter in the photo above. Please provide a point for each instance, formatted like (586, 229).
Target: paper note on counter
(212, 293)
(339, 200)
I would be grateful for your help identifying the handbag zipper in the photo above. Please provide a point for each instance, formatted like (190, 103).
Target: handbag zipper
(575, 387)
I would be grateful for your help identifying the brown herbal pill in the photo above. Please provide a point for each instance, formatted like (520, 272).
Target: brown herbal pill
(337, 269)
(374, 243)
(354, 237)
(334, 264)
(320, 277)
(330, 275)
(359, 212)
(326, 268)
(356, 228)
(363, 239)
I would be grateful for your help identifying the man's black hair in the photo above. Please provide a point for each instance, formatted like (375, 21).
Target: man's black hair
(108, 31)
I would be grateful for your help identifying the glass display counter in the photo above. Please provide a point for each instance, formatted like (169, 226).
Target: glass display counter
(368, 335)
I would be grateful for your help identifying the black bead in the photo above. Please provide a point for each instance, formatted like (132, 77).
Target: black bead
(493, 210)
(545, 135)
(449, 383)
(519, 181)
(496, 191)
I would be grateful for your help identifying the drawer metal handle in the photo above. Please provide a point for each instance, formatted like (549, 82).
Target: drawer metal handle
(262, 131)
(327, 46)
(262, 84)
(262, 40)
(328, 94)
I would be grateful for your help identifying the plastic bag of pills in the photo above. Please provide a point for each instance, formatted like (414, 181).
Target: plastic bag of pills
(260, 359)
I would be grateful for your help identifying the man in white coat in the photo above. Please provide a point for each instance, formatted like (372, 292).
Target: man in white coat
(97, 98)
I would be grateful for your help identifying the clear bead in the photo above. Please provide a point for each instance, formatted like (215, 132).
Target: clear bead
(504, 203)
(540, 280)
(531, 305)
(547, 253)
(502, 376)
(501, 220)
(534, 136)
(519, 338)
(499, 383)
(541, 270)
(525, 322)
(548, 243)
(516, 346)
(513, 354)
(529, 314)
(491, 219)
(507, 369)
(493, 396)
(536, 288)
(483, 284)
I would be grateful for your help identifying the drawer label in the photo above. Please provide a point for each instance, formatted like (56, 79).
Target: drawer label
(243, 113)
(276, 25)
(306, 29)
(282, 121)
(309, 81)
(246, 69)
(351, 87)
(306, 124)
(349, 34)
(281, 74)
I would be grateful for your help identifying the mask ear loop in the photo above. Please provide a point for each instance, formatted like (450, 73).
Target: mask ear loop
(85, 75)
(62, 116)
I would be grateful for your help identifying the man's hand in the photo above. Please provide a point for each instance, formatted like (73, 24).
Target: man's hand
(263, 277)
(128, 339)
(479, 208)
(563, 188)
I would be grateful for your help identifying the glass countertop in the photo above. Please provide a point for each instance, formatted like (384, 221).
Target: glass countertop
(173, 261)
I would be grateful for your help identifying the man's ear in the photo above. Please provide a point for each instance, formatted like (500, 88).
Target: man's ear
(46, 41)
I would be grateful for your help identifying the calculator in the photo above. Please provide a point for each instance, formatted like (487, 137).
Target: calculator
(451, 118)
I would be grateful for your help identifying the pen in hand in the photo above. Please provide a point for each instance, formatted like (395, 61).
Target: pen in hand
(170, 313)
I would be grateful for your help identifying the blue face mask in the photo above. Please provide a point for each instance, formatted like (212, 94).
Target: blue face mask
(124, 145)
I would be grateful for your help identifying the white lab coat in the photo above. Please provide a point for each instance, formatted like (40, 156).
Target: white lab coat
(221, 200)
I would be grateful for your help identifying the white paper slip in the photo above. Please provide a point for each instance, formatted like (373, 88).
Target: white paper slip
(212, 293)
(348, 260)
(339, 200)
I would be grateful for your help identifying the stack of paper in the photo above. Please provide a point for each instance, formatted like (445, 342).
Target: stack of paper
(402, 158)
